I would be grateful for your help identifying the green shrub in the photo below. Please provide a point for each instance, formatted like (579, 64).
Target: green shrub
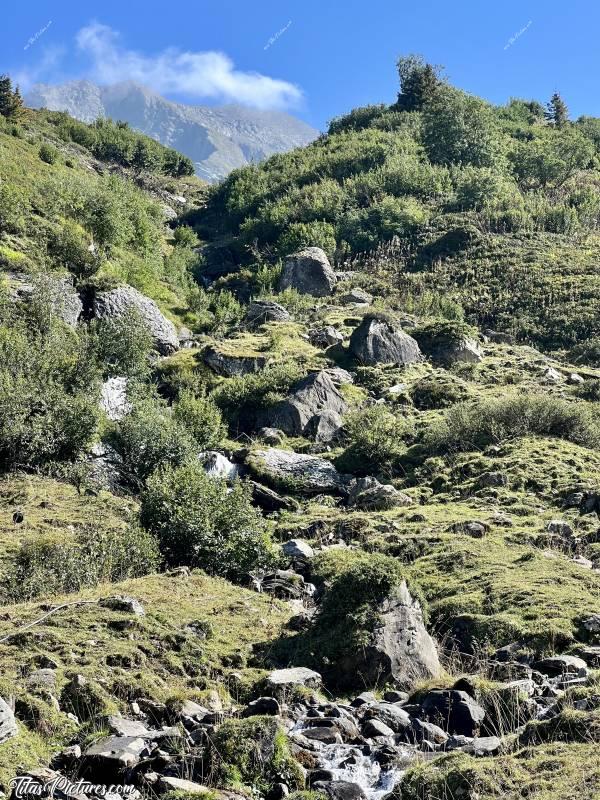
(201, 417)
(150, 437)
(376, 441)
(185, 236)
(95, 555)
(12, 209)
(470, 426)
(586, 352)
(125, 345)
(48, 154)
(307, 234)
(438, 391)
(202, 523)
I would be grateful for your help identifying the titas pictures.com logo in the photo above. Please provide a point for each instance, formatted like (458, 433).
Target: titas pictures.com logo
(25, 786)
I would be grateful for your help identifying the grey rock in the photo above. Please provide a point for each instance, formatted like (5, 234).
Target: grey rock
(340, 790)
(484, 746)
(358, 296)
(115, 753)
(493, 479)
(390, 714)
(378, 341)
(363, 699)
(284, 583)
(371, 495)
(454, 710)
(375, 727)
(294, 676)
(125, 300)
(113, 398)
(230, 366)
(562, 665)
(309, 272)
(168, 783)
(122, 602)
(399, 650)
(8, 724)
(497, 337)
(42, 678)
(298, 549)
(269, 500)
(57, 291)
(394, 696)
(427, 731)
(324, 735)
(261, 311)
(325, 337)
(339, 376)
(304, 473)
(560, 527)
(262, 706)
(315, 406)
(106, 466)
(464, 351)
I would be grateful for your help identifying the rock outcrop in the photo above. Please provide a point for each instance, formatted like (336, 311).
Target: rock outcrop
(124, 300)
(371, 495)
(8, 725)
(297, 471)
(400, 651)
(230, 366)
(261, 311)
(309, 272)
(314, 408)
(378, 341)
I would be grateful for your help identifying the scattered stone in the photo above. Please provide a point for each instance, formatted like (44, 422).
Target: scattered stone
(262, 706)
(324, 735)
(427, 731)
(294, 676)
(358, 296)
(325, 337)
(113, 398)
(309, 272)
(560, 528)
(269, 500)
(493, 480)
(122, 602)
(125, 300)
(339, 376)
(375, 727)
(363, 699)
(581, 561)
(552, 375)
(230, 366)
(575, 378)
(484, 746)
(340, 790)
(371, 495)
(390, 714)
(261, 311)
(297, 549)
(378, 341)
(115, 753)
(167, 783)
(562, 665)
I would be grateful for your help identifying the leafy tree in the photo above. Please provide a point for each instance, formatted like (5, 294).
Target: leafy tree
(200, 522)
(461, 129)
(176, 164)
(418, 82)
(557, 112)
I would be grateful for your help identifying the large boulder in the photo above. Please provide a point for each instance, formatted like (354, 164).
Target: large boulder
(229, 365)
(449, 343)
(453, 710)
(315, 406)
(58, 291)
(399, 650)
(8, 725)
(309, 272)
(380, 341)
(261, 311)
(124, 300)
(371, 495)
(114, 756)
(293, 677)
(297, 472)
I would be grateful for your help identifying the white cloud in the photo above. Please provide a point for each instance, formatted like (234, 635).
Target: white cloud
(195, 74)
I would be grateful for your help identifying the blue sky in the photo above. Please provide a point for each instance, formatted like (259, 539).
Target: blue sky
(317, 58)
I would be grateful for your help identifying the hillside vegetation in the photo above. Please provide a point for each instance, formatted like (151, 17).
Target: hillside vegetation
(338, 415)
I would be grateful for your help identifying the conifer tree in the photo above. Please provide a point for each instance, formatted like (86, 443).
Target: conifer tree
(557, 112)
(418, 82)
(6, 96)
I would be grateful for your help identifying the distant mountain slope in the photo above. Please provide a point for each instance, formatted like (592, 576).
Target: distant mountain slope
(217, 139)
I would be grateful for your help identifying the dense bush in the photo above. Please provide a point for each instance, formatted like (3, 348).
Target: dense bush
(95, 555)
(470, 426)
(201, 417)
(48, 153)
(149, 437)
(200, 522)
(124, 345)
(376, 441)
(438, 391)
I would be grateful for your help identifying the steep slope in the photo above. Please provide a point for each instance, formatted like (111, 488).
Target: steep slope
(217, 139)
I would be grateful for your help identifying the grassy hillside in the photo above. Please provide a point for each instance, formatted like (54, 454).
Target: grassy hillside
(473, 229)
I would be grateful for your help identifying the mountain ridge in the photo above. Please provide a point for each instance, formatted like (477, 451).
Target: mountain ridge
(218, 139)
